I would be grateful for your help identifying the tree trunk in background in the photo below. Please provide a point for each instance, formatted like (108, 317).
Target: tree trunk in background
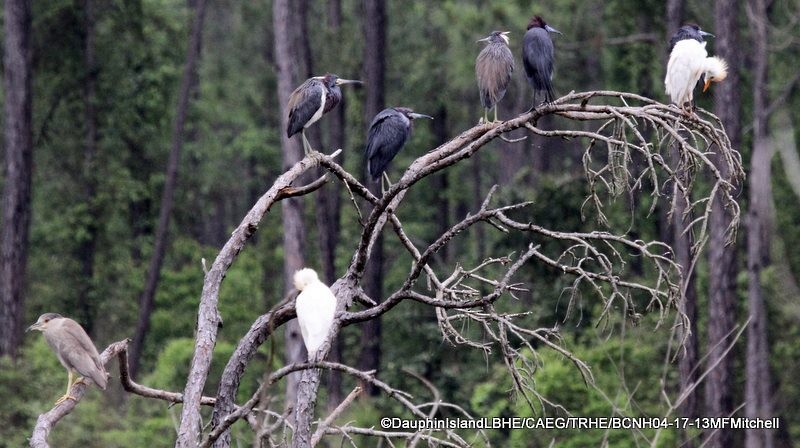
(719, 399)
(374, 74)
(758, 390)
(87, 248)
(289, 65)
(147, 298)
(18, 142)
(328, 210)
(682, 243)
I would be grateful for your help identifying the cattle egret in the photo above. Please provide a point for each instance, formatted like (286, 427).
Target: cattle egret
(687, 63)
(315, 306)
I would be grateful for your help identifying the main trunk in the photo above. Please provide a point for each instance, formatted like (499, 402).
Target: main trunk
(16, 203)
(719, 399)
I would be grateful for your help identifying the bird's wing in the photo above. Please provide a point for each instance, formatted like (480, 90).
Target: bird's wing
(387, 135)
(305, 311)
(538, 56)
(493, 69)
(82, 354)
(304, 102)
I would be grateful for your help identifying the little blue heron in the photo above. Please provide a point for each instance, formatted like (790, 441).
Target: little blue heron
(388, 133)
(538, 57)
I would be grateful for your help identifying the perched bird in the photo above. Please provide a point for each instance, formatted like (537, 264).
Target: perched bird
(493, 68)
(687, 63)
(688, 31)
(538, 57)
(74, 349)
(315, 308)
(309, 102)
(388, 133)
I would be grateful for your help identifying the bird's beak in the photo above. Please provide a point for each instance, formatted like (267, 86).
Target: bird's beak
(485, 39)
(550, 29)
(341, 81)
(704, 34)
(415, 116)
(35, 326)
(707, 83)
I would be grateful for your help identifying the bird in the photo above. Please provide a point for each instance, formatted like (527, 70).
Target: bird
(689, 61)
(688, 31)
(74, 350)
(387, 135)
(311, 100)
(315, 306)
(538, 56)
(493, 68)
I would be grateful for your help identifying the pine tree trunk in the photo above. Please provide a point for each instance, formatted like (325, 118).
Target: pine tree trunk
(18, 171)
(719, 398)
(290, 62)
(758, 402)
(374, 79)
(147, 298)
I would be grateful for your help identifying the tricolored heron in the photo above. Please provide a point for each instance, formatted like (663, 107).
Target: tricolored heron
(538, 57)
(388, 133)
(315, 307)
(309, 102)
(493, 68)
(687, 63)
(74, 350)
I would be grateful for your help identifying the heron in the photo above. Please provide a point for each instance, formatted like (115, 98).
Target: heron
(538, 56)
(313, 99)
(688, 62)
(688, 31)
(493, 68)
(315, 306)
(387, 135)
(74, 350)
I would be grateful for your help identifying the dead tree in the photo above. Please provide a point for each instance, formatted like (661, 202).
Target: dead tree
(617, 159)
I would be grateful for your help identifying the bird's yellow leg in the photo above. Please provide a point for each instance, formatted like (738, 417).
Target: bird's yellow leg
(495, 113)
(388, 182)
(485, 115)
(67, 396)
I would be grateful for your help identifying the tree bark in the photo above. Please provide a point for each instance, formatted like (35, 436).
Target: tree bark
(374, 78)
(290, 62)
(758, 394)
(719, 399)
(87, 248)
(18, 141)
(147, 298)
(682, 243)
(329, 211)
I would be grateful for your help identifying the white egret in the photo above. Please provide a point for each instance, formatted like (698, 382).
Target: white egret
(315, 306)
(687, 63)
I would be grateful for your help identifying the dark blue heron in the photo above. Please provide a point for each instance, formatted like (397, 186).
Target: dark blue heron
(688, 31)
(388, 133)
(493, 68)
(538, 57)
(309, 102)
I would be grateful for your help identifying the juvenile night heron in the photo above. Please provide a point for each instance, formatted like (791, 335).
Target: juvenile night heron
(388, 133)
(315, 306)
(74, 349)
(538, 57)
(687, 63)
(309, 102)
(493, 68)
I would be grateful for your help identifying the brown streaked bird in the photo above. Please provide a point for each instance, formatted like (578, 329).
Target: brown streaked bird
(74, 350)
(309, 102)
(493, 68)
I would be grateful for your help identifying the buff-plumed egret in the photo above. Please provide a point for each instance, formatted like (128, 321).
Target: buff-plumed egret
(689, 61)
(315, 307)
